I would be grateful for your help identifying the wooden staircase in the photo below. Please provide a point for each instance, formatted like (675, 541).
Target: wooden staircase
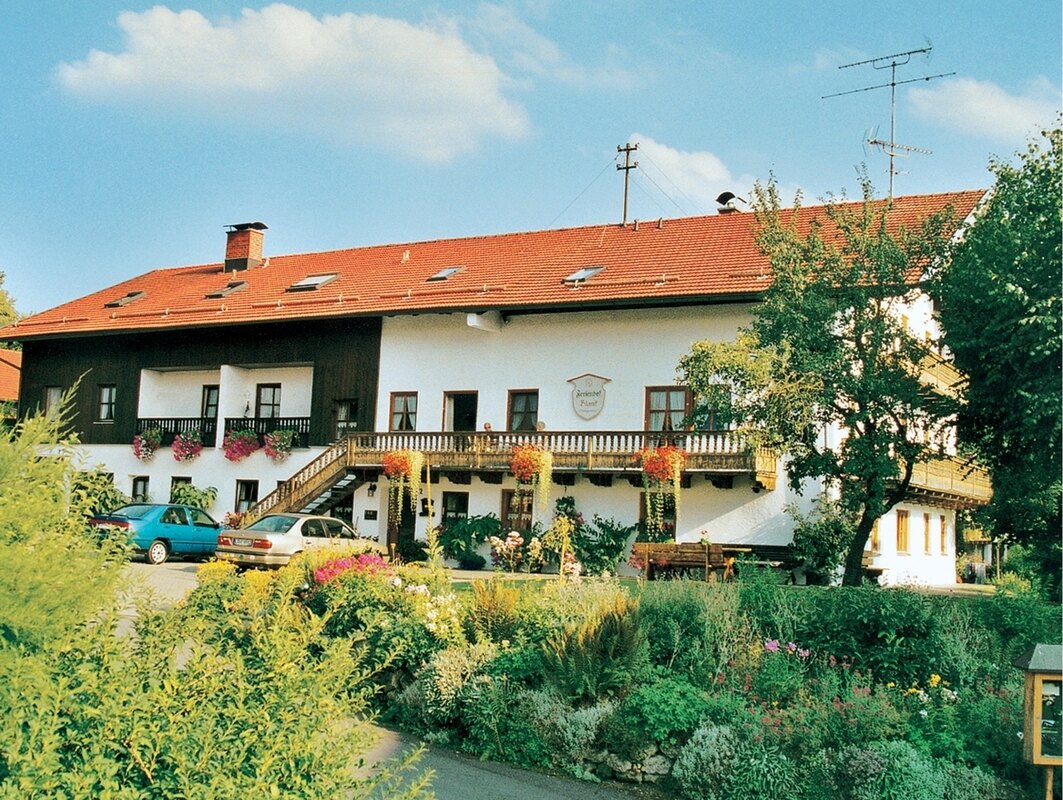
(327, 478)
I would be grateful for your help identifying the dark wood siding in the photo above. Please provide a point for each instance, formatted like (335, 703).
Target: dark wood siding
(345, 355)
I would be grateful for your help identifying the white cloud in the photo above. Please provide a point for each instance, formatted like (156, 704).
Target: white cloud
(982, 108)
(350, 78)
(693, 180)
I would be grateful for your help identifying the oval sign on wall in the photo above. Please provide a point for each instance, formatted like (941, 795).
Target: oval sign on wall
(588, 394)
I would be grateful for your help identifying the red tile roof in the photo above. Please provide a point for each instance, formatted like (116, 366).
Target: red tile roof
(10, 373)
(694, 259)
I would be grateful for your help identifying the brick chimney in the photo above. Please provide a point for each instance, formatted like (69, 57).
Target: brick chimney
(243, 246)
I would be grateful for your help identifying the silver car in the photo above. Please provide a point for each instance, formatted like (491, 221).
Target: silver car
(272, 540)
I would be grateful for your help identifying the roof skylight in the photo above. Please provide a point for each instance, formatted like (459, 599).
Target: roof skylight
(445, 273)
(124, 301)
(312, 282)
(230, 288)
(581, 275)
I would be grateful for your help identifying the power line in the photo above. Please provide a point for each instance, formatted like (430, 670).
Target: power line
(584, 191)
(662, 191)
(675, 186)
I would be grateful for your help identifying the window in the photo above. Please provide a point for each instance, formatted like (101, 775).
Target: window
(174, 516)
(902, 531)
(53, 396)
(201, 519)
(346, 417)
(140, 489)
(944, 532)
(268, 401)
(246, 495)
(876, 543)
(523, 410)
(516, 510)
(312, 282)
(106, 394)
(444, 273)
(926, 534)
(403, 411)
(209, 404)
(666, 407)
(128, 298)
(455, 506)
(230, 288)
(580, 275)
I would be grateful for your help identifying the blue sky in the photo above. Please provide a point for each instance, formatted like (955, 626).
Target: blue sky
(133, 133)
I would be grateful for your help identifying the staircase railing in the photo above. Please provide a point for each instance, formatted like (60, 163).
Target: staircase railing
(305, 483)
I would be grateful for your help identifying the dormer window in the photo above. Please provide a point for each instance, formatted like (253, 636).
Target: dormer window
(444, 273)
(124, 301)
(230, 288)
(312, 282)
(581, 275)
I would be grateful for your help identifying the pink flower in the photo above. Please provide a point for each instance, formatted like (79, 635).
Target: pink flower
(771, 645)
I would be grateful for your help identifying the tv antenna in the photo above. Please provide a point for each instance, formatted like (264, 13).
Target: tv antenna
(890, 147)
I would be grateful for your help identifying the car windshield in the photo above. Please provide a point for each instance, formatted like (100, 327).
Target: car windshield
(276, 523)
(135, 511)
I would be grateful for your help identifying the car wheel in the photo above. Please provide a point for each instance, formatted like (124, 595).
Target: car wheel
(158, 552)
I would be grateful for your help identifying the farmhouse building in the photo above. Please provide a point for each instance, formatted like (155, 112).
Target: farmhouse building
(568, 339)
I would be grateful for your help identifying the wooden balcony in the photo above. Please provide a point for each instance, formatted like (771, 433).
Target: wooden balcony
(719, 453)
(952, 483)
(599, 455)
(171, 426)
(264, 425)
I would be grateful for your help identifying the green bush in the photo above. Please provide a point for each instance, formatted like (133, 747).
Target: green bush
(249, 703)
(600, 545)
(773, 609)
(665, 712)
(889, 771)
(492, 615)
(720, 763)
(894, 633)
(499, 721)
(694, 629)
(189, 495)
(822, 538)
(460, 538)
(599, 657)
(570, 733)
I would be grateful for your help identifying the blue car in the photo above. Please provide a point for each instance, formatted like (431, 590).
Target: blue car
(161, 530)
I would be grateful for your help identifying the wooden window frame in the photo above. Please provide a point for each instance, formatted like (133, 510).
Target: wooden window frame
(927, 548)
(240, 497)
(209, 397)
(944, 534)
(525, 513)
(260, 404)
(514, 393)
(403, 413)
(106, 402)
(143, 482)
(668, 411)
(902, 532)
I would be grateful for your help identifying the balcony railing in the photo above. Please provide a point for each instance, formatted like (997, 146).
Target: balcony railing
(264, 425)
(171, 426)
(603, 451)
(952, 482)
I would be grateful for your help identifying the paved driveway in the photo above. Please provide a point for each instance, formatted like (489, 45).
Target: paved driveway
(457, 777)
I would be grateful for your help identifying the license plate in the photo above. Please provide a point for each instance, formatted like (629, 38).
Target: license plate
(242, 542)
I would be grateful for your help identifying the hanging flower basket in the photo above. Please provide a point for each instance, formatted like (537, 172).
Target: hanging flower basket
(533, 465)
(402, 468)
(187, 446)
(662, 473)
(238, 445)
(146, 443)
(278, 444)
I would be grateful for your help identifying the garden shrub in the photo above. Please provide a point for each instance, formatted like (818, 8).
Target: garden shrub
(894, 633)
(460, 538)
(781, 674)
(599, 657)
(434, 699)
(498, 716)
(570, 733)
(822, 538)
(720, 763)
(773, 609)
(891, 770)
(254, 703)
(1016, 618)
(493, 614)
(600, 545)
(964, 782)
(521, 664)
(694, 629)
(665, 712)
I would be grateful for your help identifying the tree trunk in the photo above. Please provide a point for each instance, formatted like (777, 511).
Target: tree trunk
(854, 566)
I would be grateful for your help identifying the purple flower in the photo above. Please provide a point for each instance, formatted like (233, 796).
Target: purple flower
(771, 645)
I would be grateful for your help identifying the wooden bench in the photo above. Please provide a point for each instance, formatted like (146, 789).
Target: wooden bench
(679, 557)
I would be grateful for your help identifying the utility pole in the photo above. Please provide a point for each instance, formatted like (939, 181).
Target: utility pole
(891, 148)
(627, 166)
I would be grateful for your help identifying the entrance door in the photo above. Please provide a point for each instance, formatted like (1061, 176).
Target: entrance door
(459, 411)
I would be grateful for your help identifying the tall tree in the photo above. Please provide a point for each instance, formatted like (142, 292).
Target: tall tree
(1000, 306)
(828, 372)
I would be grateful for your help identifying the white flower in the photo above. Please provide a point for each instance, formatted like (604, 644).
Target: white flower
(396, 581)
